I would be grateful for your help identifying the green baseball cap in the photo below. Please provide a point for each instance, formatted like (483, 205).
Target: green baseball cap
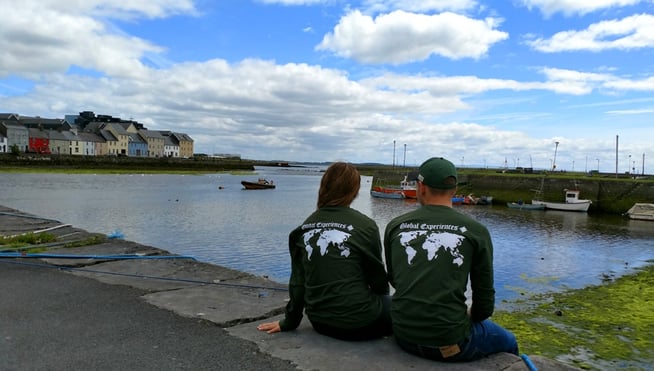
(437, 172)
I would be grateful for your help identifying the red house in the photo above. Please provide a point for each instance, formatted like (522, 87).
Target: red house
(39, 141)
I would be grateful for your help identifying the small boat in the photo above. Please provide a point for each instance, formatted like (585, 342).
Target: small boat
(572, 202)
(524, 206)
(641, 211)
(458, 200)
(384, 194)
(474, 200)
(408, 188)
(259, 184)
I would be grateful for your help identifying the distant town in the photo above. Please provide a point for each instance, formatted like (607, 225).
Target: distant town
(88, 134)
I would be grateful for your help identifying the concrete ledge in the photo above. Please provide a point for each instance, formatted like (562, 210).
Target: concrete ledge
(312, 351)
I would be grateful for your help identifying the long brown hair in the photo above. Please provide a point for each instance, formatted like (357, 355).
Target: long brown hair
(339, 185)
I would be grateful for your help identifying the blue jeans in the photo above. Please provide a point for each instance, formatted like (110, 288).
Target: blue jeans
(486, 337)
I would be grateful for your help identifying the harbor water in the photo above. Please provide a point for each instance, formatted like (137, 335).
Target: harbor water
(213, 219)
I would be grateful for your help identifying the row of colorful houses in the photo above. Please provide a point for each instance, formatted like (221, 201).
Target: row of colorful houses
(88, 134)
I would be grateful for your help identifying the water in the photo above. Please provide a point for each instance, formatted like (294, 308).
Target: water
(213, 219)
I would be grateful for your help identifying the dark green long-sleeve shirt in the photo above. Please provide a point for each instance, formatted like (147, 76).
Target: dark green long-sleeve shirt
(337, 271)
(430, 253)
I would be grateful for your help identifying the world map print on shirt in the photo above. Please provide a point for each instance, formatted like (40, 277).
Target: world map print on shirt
(432, 243)
(322, 239)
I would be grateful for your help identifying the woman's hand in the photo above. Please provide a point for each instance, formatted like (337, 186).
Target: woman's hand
(269, 327)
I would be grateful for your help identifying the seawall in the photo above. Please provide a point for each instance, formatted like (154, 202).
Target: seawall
(609, 194)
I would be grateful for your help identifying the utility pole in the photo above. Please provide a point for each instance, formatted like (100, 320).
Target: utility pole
(393, 155)
(554, 161)
(404, 163)
(643, 172)
(616, 156)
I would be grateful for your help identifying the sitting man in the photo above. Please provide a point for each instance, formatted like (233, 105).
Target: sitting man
(430, 253)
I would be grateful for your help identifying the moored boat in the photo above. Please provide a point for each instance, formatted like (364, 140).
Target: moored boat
(259, 184)
(458, 200)
(572, 202)
(641, 211)
(382, 194)
(474, 200)
(524, 206)
(407, 188)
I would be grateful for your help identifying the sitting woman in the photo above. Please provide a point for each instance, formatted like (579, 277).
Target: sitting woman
(337, 273)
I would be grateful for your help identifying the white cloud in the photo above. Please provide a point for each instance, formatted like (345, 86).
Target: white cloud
(423, 6)
(295, 2)
(557, 80)
(109, 8)
(629, 33)
(643, 111)
(401, 37)
(53, 35)
(575, 7)
(633, 85)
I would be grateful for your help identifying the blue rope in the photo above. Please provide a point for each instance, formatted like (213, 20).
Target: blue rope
(104, 257)
(528, 362)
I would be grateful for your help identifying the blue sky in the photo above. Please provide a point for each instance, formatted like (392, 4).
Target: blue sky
(482, 83)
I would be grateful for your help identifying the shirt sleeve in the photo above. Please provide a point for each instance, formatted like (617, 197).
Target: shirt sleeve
(387, 255)
(374, 269)
(295, 307)
(481, 280)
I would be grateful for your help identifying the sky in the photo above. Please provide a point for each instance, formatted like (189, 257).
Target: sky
(561, 84)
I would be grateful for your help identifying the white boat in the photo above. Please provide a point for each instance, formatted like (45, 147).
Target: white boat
(572, 202)
(641, 211)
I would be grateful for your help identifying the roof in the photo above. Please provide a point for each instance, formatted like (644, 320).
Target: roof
(42, 122)
(169, 141)
(57, 135)
(38, 133)
(91, 137)
(135, 138)
(151, 134)
(117, 127)
(9, 116)
(183, 137)
(107, 136)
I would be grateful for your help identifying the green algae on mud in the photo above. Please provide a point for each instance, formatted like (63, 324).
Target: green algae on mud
(610, 326)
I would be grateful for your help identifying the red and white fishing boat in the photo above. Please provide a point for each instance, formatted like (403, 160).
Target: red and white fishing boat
(407, 189)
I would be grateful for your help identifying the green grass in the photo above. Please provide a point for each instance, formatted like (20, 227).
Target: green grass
(610, 326)
(40, 242)
(28, 239)
(119, 171)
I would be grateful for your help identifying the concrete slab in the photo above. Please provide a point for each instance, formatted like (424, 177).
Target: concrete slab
(312, 351)
(225, 306)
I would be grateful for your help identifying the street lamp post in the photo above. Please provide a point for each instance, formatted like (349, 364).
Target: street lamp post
(554, 161)
(393, 154)
(597, 165)
(404, 163)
